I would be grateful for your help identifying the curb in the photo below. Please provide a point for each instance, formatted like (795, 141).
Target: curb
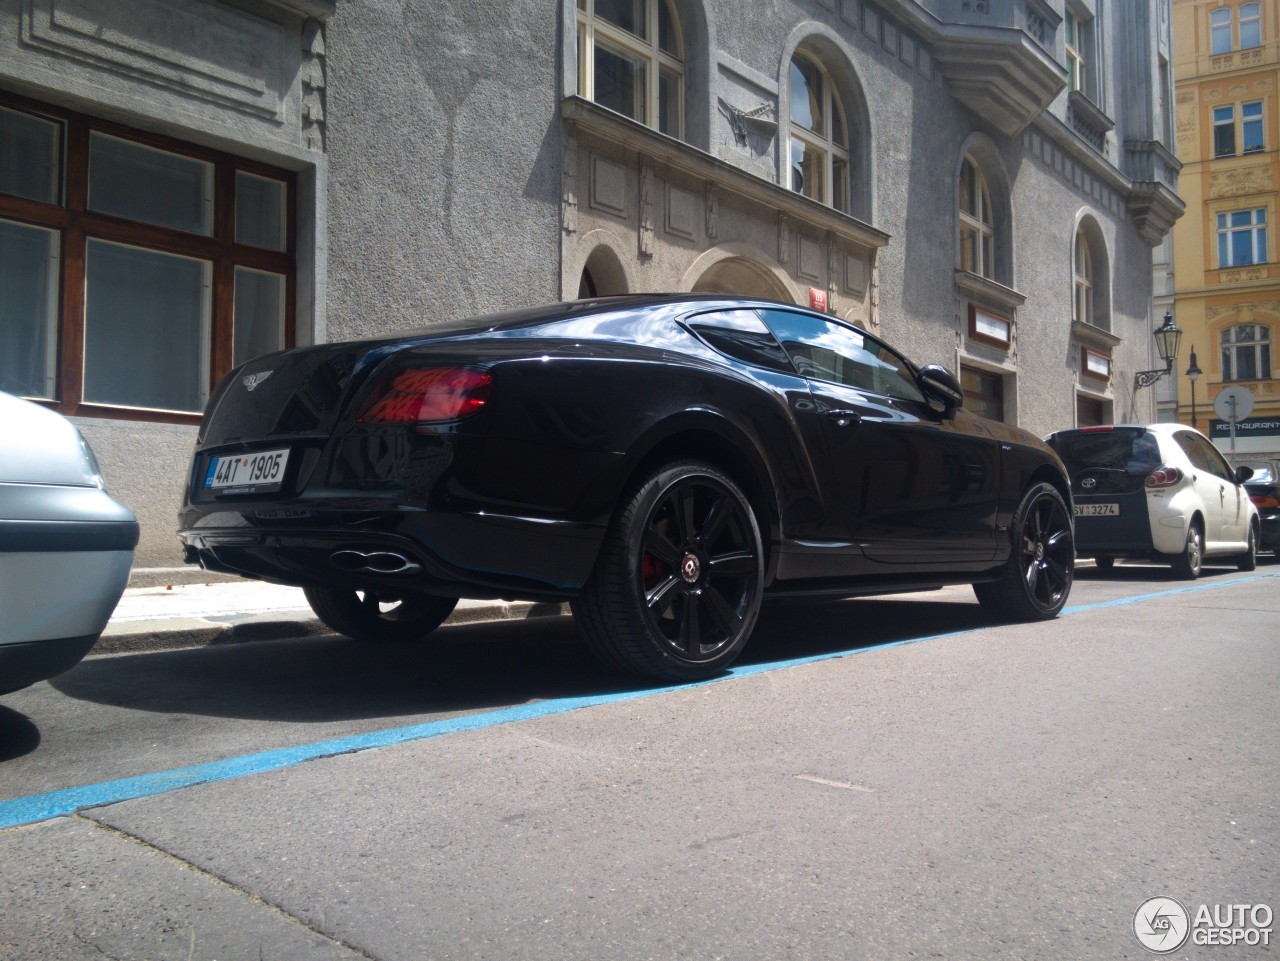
(176, 633)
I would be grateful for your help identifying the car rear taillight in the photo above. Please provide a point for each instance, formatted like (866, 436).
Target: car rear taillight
(423, 395)
(1163, 477)
(1264, 500)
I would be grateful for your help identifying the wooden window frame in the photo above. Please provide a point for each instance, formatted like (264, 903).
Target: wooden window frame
(1103, 359)
(972, 220)
(77, 225)
(593, 28)
(834, 153)
(984, 338)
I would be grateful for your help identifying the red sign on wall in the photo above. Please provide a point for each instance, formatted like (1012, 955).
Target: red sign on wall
(817, 299)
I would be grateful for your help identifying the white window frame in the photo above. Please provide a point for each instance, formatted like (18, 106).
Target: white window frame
(594, 30)
(1246, 120)
(978, 222)
(1221, 25)
(834, 188)
(1082, 280)
(1259, 346)
(1250, 17)
(1076, 63)
(1256, 228)
(1224, 117)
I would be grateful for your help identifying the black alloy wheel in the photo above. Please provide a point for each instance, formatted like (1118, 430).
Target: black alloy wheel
(677, 589)
(384, 616)
(1036, 580)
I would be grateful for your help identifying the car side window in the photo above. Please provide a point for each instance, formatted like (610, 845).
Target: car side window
(827, 351)
(1203, 455)
(742, 335)
(1217, 463)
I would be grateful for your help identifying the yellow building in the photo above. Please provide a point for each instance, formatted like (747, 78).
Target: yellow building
(1226, 274)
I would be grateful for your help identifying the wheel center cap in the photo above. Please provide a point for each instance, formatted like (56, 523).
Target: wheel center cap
(690, 568)
(1039, 552)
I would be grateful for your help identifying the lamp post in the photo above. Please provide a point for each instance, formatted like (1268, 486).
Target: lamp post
(1193, 373)
(1167, 337)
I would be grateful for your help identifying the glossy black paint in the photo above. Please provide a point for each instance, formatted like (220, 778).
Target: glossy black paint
(854, 491)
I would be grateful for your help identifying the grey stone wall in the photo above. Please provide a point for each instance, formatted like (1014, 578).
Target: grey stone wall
(444, 159)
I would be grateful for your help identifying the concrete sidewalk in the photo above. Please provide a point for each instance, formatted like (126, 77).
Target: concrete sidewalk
(222, 612)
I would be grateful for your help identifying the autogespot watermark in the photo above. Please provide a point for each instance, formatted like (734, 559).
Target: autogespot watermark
(1163, 925)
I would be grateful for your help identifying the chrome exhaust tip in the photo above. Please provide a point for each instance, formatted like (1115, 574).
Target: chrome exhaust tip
(373, 562)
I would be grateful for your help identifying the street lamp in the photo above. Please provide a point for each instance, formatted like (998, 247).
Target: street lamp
(1167, 337)
(1193, 372)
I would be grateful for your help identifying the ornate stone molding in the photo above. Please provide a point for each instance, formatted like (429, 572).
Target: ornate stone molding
(646, 209)
(569, 183)
(1088, 120)
(313, 85)
(583, 117)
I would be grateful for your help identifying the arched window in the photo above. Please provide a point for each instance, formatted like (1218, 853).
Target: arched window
(1246, 352)
(630, 60)
(819, 142)
(1222, 31)
(1082, 270)
(977, 224)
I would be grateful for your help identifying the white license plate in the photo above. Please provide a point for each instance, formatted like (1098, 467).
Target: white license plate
(1097, 510)
(233, 473)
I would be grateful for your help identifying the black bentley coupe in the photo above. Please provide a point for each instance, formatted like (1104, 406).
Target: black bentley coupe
(664, 463)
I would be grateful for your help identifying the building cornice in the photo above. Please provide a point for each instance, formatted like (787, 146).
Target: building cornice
(613, 128)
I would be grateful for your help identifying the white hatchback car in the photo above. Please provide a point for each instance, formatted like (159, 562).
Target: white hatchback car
(66, 546)
(1159, 491)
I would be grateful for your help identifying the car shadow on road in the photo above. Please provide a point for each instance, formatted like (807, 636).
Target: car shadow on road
(459, 669)
(18, 735)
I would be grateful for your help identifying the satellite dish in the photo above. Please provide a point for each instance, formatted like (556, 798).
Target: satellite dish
(1233, 404)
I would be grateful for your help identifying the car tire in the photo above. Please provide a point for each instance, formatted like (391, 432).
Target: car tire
(678, 583)
(1248, 561)
(1034, 583)
(1187, 565)
(379, 616)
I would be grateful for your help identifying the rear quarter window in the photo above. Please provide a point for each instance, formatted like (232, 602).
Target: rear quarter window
(741, 335)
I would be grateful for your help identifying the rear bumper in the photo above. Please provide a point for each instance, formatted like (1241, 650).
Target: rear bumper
(479, 555)
(22, 664)
(1269, 530)
(59, 594)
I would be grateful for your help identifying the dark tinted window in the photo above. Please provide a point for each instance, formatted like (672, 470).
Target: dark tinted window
(742, 335)
(1117, 460)
(1203, 455)
(824, 350)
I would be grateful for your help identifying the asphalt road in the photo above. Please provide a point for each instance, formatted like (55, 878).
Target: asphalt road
(890, 778)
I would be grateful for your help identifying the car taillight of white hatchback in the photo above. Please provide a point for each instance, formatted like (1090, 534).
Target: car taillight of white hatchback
(1163, 476)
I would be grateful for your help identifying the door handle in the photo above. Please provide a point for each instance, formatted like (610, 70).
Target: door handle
(844, 418)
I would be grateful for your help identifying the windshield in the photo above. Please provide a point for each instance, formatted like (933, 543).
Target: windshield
(1128, 449)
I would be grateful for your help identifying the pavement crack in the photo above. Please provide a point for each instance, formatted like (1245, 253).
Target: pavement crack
(221, 881)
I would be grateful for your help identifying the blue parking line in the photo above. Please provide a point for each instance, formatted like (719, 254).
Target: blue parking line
(43, 807)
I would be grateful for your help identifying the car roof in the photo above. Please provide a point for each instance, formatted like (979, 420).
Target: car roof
(564, 310)
(1162, 427)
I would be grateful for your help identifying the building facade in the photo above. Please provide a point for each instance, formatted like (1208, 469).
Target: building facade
(188, 183)
(1227, 284)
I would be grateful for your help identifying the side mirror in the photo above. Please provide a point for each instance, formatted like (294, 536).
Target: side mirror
(940, 386)
(1243, 473)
